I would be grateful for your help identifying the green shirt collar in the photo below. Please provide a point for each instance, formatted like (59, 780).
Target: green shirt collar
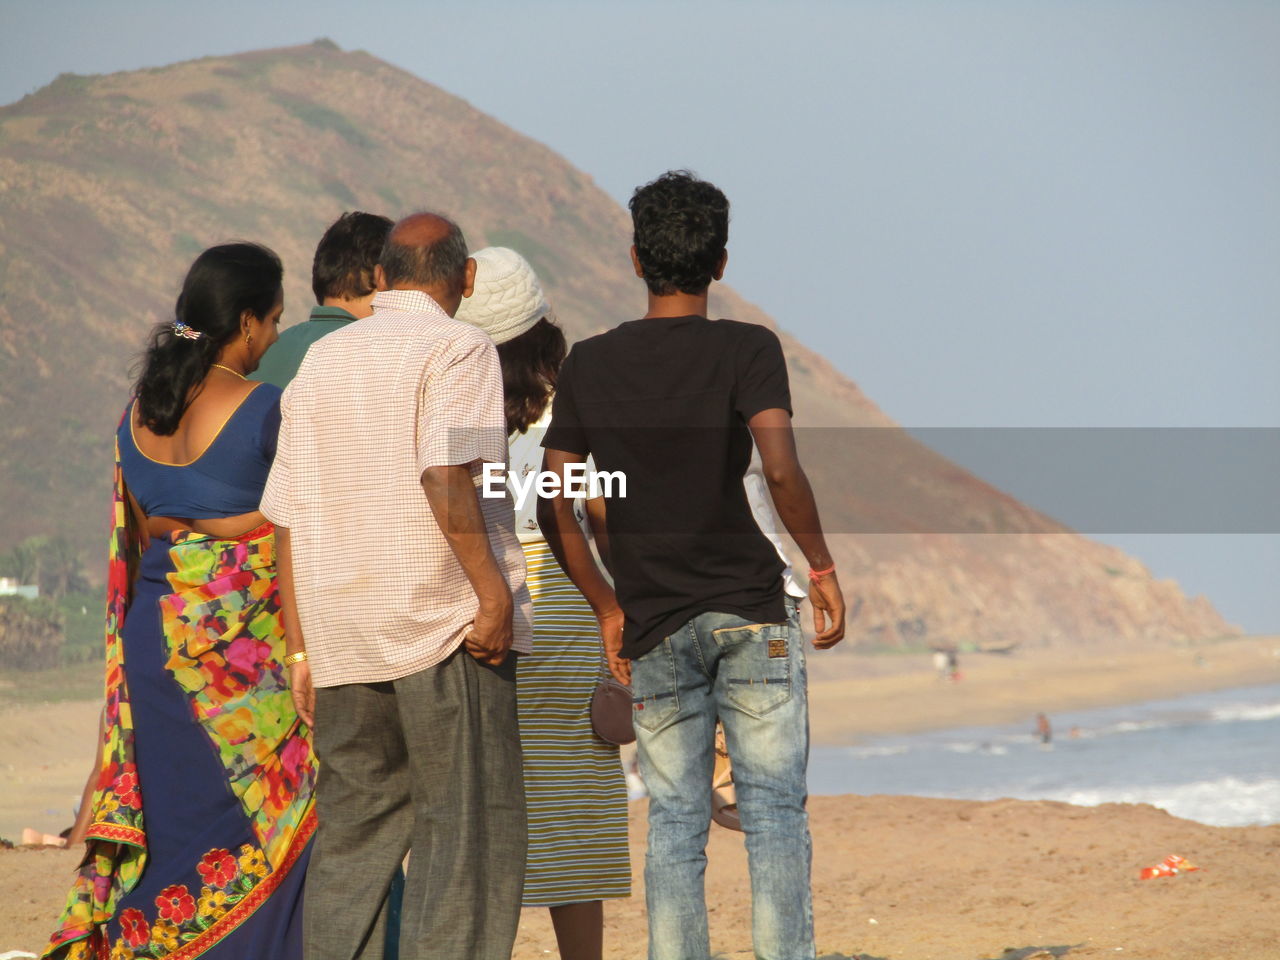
(330, 313)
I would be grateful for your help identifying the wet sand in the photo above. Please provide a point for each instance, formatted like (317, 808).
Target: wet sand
(853, 696)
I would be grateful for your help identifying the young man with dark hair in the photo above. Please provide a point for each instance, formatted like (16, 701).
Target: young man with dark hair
(342, 280)
(700, 623)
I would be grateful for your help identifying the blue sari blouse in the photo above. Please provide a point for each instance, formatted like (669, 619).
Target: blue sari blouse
(225, 480)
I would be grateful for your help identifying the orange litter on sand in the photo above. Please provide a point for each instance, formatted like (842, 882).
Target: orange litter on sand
(1170, 866)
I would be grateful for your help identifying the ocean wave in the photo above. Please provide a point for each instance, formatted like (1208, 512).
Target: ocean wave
(1242, 712)
(1225, 802)
(989, 747)
(880, 751)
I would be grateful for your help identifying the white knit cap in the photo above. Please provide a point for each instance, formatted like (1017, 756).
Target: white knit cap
(507, 299)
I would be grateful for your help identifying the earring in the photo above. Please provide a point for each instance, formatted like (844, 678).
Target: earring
(248, 339)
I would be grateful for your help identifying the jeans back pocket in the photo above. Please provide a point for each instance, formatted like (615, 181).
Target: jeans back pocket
(755, 665)
(653, 687)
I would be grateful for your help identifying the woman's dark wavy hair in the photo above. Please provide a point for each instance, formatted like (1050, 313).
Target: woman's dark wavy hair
(681, 229)
(530, 367)
(223, 282)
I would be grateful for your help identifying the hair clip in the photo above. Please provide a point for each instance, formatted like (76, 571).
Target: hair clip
(186, 332)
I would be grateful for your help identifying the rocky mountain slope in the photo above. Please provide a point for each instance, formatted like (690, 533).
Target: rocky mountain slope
(109, 185)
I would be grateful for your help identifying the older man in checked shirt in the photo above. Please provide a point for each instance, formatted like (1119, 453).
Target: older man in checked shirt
(402, 593)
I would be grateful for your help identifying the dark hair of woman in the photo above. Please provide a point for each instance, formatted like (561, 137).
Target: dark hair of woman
(530, 366)
(221, 285)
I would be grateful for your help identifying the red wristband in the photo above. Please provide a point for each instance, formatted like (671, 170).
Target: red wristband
(816, 575)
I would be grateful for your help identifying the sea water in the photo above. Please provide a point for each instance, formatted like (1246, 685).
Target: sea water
(1211, 757)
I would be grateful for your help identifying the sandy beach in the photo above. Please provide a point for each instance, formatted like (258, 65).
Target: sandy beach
(895, 878)
(903, 878)
(45, 747)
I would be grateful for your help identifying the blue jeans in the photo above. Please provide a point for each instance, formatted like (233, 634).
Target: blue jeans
(752, 676)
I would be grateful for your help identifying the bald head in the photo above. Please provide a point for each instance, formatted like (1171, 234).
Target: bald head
(422, 229)
(427, 252)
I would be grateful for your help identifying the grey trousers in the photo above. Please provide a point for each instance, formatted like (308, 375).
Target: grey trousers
(430, 762)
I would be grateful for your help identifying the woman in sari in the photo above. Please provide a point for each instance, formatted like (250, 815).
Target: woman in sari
(201, 812)
(575, 792)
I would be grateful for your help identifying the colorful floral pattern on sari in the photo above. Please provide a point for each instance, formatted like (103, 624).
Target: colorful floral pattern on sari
(225, 642)
(117, 838)
(222, 627)
(187, 920)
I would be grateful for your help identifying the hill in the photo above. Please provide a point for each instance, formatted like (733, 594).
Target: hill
(109, 185)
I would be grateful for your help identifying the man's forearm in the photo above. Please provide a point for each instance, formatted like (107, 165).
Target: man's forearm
(788, 485)
(798, 511)
(568, 543)
(452, 496)
(569, 547)
(599, 530)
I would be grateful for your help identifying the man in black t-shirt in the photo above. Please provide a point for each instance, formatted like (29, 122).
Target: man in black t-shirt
(700, 624)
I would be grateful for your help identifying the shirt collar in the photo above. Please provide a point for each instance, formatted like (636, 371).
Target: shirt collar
(331, 313)
(410, 301)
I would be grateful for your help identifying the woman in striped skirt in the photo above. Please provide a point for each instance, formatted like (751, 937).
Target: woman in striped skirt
(574, 786)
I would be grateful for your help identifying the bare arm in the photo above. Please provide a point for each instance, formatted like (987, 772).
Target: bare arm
(304, 694)
(85, 814)
(567, 543)
(596, 513)
(793, 499)
(453, 500)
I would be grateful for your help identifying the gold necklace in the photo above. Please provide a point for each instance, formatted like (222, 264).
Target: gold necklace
(221, 366)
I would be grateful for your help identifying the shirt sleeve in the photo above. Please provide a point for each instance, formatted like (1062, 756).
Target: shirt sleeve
(276, 496)
(565, 431)
(460, 409)
(762, 374)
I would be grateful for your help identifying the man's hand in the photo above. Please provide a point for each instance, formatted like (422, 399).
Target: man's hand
(828, 611)
(303, 693)
(611, 639)
(489, 637)
(567, 543)
(455, 504)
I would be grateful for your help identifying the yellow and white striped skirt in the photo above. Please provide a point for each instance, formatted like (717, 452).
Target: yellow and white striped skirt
(574, 787)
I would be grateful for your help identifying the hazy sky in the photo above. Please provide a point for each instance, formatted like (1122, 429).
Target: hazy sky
(986, 213)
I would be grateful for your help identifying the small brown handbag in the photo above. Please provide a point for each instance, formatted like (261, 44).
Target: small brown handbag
(611, 711)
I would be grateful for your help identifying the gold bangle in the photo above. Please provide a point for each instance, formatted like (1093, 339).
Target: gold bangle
(293, 658)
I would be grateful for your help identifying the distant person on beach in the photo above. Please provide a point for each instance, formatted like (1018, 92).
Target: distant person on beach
(404, 595)
(1043, 730)
(703, 629)
(200, 822)
(342, 281)
(942, 664)
(574, 787)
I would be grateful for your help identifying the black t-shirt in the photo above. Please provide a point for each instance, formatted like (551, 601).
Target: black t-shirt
(666, 401)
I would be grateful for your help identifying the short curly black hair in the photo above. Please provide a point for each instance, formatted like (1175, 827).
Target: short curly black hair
(681, 229)
(347, 254)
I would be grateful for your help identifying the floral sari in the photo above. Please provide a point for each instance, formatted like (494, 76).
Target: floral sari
(199, 816)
